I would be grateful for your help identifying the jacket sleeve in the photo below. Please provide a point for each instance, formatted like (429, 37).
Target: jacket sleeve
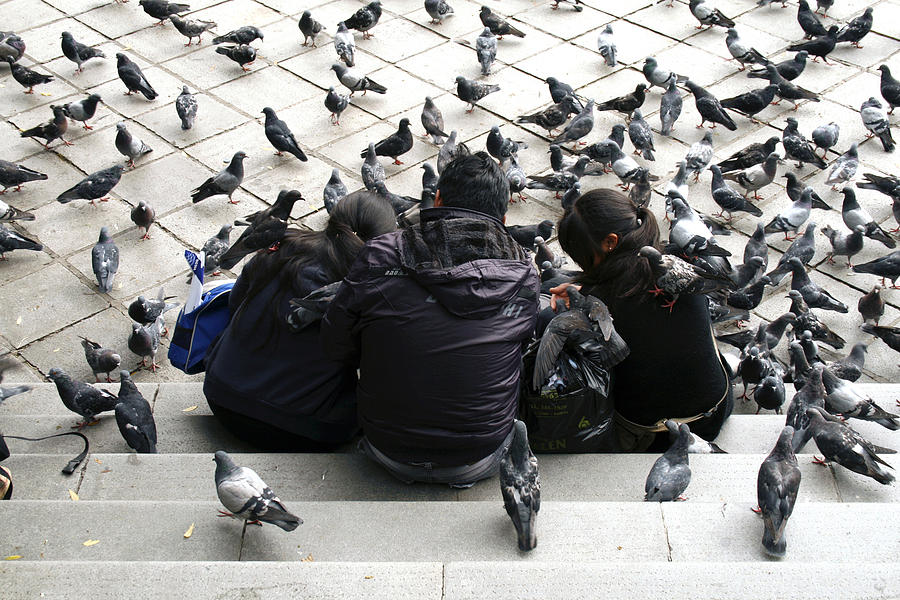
(338, 332)
(238, 293)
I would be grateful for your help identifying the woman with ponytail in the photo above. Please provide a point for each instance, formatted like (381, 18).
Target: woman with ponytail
(273, 387)
(674, 370)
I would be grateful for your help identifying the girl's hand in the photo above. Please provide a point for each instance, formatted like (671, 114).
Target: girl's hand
(560, 292)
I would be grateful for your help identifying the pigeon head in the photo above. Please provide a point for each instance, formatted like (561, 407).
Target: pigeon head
(120, 126)
(618, 128)
(104, 234)
(124, 375)
(801, 55)
(55, 373)
(184, 90)
(460, 79)
(485, 11)
(783, 445)
(487, 32)
(636, 114)
(342, 27)
(640, 88)
(814, 415)
(650, 61)
(551, 81)
(224, 464)
(338, 68)
(68, 36)
(791, 121)
(732, 33)
(239, 155)
(796, 263)
(652, 255)
(833, 30)
(306, 14)
(268, 111)
(885, 69)
(121, 59)
(404, 123)
(225, 231)
(135, 328)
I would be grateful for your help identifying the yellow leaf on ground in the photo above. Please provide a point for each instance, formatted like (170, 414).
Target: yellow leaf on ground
(189, 408)
(369, 577)
(13, 557)
(73, 496)
(189, 532)
(19, 321)
(98, 461)
(309, 558)
(90, 543)
(46, 94)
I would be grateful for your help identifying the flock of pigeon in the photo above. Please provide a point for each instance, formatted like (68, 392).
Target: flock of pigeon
(693, 262)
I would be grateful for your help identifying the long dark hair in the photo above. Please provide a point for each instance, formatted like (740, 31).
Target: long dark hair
(357, 218)
(584, 226)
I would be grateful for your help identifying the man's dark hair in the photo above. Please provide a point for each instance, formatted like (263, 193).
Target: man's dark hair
(475, 182)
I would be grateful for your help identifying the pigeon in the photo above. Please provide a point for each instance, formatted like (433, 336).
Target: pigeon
(470, 91)
(280, 136)
(670, 105)
(769, 394)
(577, 5)
(498, 25)
(336, 104)
(876, 121)
(641, 190)
(224, 182)
(803, 248)
(628, 103)
(449, 151)
(793, 217)
(214, 248)
(808, 321)
(433, 121)
(242, 54)
(430, 178)
(857, 28)
(191, 28)
(708, 15)
(753, 154)
(11, 46)
(335, 190)
(147, 310)
(603, 153)
(795, 190)
(11, 240)
(786, 89)
(161, 9)
(890, 88)
(796, 147)
(671, 474)
(853, 214)
(559, 90)
(813, 295)
(186, 107)
(607, 46)
(674, 276)
(6, 364)
(777, 485)
(77, 52)
(100, 359)
(129, 146)
(728, 199)
(886, 267)
(699, 156)
(658, 76)
(580, 126)
(689, 233)
(871, 305)
(345, 45)
(844, 244)
(844, 168)
(310, 28)
(372, 170)
(9, 213)
(756, 245)
(265, 229)
(365, 18)
(400, 204)
(889, 335)
(54, 129)
(819, 47)
(697, 444)
(311, 308)
(744, 54)
(26, 77)
(789, 69)
(356, 82)
(143, 216)
(850, 367)
(438, 10)
(241, 35)
(14, 175)
(812, 394)
(502, 148)
(82, 398)
(105, 260)
(841, 444)
(133, 78)
(486, 50)
(242, 492)
(752, 102)
(625, 167)
(144, 341)
(890, 186)
(826, 137)
(134, 417)
(824, 5)
(525, 234)
(517, 179)
(93, 187)
(553, 116)
(399, 142)
(754, 178)
(555, 182)
(641, 135)
(520, 485)
(679, 185)
(709, 107)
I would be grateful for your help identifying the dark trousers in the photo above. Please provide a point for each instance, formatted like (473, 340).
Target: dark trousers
(267, 437)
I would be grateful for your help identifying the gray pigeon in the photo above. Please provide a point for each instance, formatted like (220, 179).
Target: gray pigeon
(793, 217)
(689, 233)
(795, 190)
(355, 81)
(697, 444)
(876, 121)
(105, 260)
(186, 107)
(438, 10)
(756, 244)
(336, 103)
(844, 168)
(10, 213)
(14, 175)
(812, 394)
(871, 305)
(708, 15)
(886, 267)
(808, 321)
(133, 78)
(224, 182)
(728, 199)
(500, 147)
(839, 443)
(607, 46)
(144, 341)
(241, 35)
(334, 190)
(83, 110)
(776, 492)
(674, 276)
(214, 248)
(640, 134)
(844, 398)
(365, 18)
(741, 52)
(280, 136)
(581, 125)
(470, 91)
(82, 398)
(129, 146)
(671, 473)
(93, 187)
(143, 216)
(433, 121)
(11, 46)
(520, 485)
(658, 76)
(372, 170)
(826, 136)
(12, 240)
(670, 105)
(853, 214)
(497, 24)
(709, 107)
(134, 417)
(796, 147)
(7, 364)
(309, 27)
(191, 28)
(77, 52)
(813, 295)
(247, 497)
(345, 45)
(100, 359)
(162, 9)
(699, 156)
(758, 176)
(147, 310)
(450, 151)
(430, 179)
(486, 49)
(517, 179)
(242, 54)
(803, 248)
(847, 244)
(769, 394)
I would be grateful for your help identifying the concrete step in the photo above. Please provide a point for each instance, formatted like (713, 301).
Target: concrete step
(453, 581)
(353, 477)
(442, 532)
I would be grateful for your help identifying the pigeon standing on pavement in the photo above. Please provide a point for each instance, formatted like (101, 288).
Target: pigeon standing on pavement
(641, 135)
(804, 248)
(777, 485)
(857, 28)
(808, 21)
(709, 107)
(580, 125)
(243, 54)
(627, 103)
(147, 310)
(345, 44)
(670, 105)
(486, 49)
(607, 46)
(10, 213)
(708, 15)
(365, 18)
(12, 240)
(871, 305)
(699, 156)
(793, 217)
(399, 142)
(789, 69)
(100, 359)
(813, 295)
(753, 154)
(728, 199)
(844, 244)
(520, 486)
(143, 216)
(214, 248)
(133, 78)
(11, 46)
(433, 121)
(498, 25)
(26, 77)
(752, 102)
(77, 52)
(129, 146)
(754, 178)
(826, 136)
(186, 107)
(191, 28)
(876, 121)
(82, 398)
(671, 473)
(741, 52)
(247, 496)
(470, 91)
(242, 35)
(105, 260)
(839, 443)
(855, 215)
(280, 136)
(844, 168)
(356, 82)
(162, 9)
(144, 341)
(372, 170)
(438, 10)
(309, 27)
(796, 146)
(890, 88)
(812, 394)
(13, 175)
(336, 104)
(886, 267)
(93, 187)
(54, 129)
(134, 417)
(224, 182)
(819, 47)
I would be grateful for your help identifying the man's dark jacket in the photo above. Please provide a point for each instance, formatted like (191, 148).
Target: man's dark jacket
(435, 315)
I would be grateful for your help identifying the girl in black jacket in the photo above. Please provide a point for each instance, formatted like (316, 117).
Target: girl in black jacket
(273, 387)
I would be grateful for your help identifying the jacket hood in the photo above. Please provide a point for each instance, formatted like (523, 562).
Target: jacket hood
(466, 260)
